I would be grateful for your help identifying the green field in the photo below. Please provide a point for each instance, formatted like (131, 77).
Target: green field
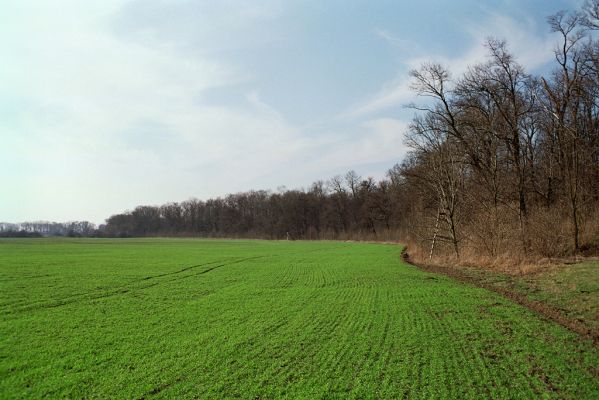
(183, 318)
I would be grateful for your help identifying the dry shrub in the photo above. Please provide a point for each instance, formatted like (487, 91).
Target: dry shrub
(589, 232)
(550, 232)
(496, 241)
(493, 234)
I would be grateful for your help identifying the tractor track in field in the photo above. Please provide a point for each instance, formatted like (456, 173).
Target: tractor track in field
(159, 388)
(97, 293)
(120, 290)
(543, 309)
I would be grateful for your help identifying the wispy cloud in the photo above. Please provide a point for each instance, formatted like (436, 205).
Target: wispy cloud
(117, 120)
(198, 27)
(531, 50)
(397, 42)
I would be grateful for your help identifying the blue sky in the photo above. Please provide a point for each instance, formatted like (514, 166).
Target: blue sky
(111, 104)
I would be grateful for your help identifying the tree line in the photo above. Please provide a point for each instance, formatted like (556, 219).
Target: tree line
(346, 207)
(46, 228)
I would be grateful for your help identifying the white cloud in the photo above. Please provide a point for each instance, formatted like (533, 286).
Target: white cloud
(531, 49)
(87, 98)
(393, 93)
(378, 140)
(203, 27)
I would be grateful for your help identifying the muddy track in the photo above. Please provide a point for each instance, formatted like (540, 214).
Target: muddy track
(545, 310)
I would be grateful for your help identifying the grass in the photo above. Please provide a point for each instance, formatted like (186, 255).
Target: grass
(183, 318)
(571, 288)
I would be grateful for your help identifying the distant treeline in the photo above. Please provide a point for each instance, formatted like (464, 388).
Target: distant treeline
(502, 164)
(343, 208)
(20, 234)
(44, 228)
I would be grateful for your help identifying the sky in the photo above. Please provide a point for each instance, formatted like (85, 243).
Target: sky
(106, 105)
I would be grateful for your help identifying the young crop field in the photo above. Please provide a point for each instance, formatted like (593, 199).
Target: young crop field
(186, 318)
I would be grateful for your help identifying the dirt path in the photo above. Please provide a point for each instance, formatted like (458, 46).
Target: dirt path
(540, 308)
